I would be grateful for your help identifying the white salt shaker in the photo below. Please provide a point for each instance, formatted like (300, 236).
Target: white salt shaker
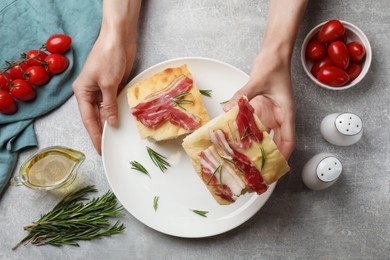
(321, 171)
(342, 128)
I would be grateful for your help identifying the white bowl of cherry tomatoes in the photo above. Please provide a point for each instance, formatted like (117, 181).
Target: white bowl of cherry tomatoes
(336, 55)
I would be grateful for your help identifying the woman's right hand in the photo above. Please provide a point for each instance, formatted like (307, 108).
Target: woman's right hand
(106, 69)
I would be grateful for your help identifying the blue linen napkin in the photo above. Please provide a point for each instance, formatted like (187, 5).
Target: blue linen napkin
(25, 25)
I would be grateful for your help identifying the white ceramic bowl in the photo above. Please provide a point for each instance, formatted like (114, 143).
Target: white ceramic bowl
(353, 33)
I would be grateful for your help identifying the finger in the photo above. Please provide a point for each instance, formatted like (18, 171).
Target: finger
(90, 115)
(110, 107)
(247, 90)
(286, 137)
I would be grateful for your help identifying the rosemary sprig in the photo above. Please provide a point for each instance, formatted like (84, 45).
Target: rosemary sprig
(215, 171)
(230, 160)
(179, 101)
(205, 92)
(139, 167)
(200, 212)
(246, 133)
(158, 159)
(155, 202)
(263, 157)
(71, 220)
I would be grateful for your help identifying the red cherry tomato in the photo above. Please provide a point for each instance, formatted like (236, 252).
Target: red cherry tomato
(7, 103)
(56, 63)
(331, 31)
(315, 50)
(319, 64)
(5, 80)
(18, 70)
(338, 54)
(22, 90)
(58, 43)
(356, 51)
(332, 76)
(354, 70)
(37, 75)
(36, 57)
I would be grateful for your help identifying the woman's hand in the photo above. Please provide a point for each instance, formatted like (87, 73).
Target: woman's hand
(106, 70)
(107, 67)
(270, 94)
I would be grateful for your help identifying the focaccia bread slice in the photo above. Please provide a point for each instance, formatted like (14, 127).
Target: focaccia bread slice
(233, 154)
(167, 105)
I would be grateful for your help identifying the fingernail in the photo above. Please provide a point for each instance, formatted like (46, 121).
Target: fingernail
(112, 121)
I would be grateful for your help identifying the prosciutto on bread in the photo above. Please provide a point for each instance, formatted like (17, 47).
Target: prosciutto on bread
(167, 105)
(233, 154)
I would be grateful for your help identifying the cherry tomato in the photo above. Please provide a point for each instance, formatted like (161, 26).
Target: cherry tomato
(315, 50)
(18, 70)
(338, 54)
(36, 57)
(356, 51)
(22, 90)
(331, 31)
(332, 76)
(7, 103)
(353, 70)
(37, 75)
(319, 64)
(58, 43)
(5, 80)
(56, 63)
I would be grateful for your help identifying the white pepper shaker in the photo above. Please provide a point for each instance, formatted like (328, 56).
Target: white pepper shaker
(342, 129)
(321, 171)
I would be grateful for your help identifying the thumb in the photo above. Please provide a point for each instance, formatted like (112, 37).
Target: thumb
(110, 107)
(244, 91)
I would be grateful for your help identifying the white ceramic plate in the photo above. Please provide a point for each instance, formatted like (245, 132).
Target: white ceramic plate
(179, 188)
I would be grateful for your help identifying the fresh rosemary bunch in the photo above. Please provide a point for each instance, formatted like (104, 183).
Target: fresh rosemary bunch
(71, 220)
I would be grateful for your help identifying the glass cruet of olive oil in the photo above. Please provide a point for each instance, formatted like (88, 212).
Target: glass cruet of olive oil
(49, 168)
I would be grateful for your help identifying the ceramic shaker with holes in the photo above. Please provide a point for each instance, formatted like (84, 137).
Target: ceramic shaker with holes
(342, 129)
(321, 171)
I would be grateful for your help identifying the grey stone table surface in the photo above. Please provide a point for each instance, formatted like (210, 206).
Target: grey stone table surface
(350, 220)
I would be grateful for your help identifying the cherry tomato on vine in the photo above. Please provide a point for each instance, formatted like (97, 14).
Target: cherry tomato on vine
(319, 64)
(5, 80)
(331, 31)
(18, 70)
(7, 103)
(56, 63)
(332, 76)
(315, 50)
(58, 43)
(338, 54)
(36, 57)
(356, 51)
(353, 70)
(37, 75)
(22, 90)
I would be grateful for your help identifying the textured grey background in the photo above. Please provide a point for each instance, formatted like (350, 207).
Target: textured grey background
(350, 220)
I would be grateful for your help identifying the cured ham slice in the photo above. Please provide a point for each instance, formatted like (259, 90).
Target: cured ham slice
(216, 172)
(247, 128)
(159, 107)
(251, 174)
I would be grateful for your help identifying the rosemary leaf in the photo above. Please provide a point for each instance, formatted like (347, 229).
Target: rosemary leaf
(205, 92)
(220, 177)
(230, 160)
(179, 101)
(212, 175)
(200, 212)
(159, 160)
(263, 157)
(224, 102)
(155, 202)
(139, 167)
(71, 220)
